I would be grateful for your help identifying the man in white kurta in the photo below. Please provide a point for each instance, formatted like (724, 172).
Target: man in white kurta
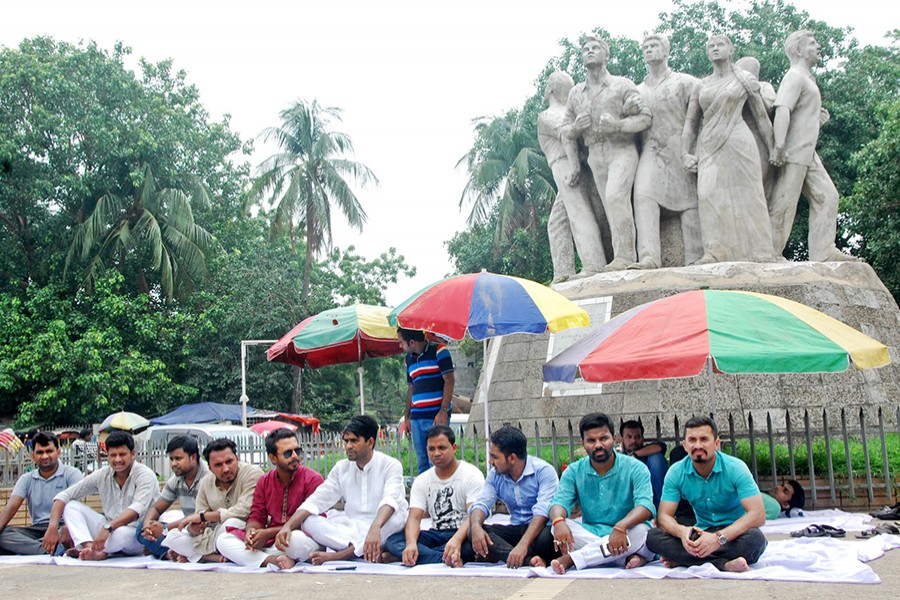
(375, 506)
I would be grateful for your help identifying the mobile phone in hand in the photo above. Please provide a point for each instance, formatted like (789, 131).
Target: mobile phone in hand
(604, 548)
(694, 534)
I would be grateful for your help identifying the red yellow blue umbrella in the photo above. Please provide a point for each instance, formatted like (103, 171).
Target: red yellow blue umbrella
(488, 305)
(722, 331)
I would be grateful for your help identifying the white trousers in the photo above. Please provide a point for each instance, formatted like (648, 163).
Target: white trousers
(85, 523)
(234, 549)
(182, 542)
(339, 531)
(587, 551)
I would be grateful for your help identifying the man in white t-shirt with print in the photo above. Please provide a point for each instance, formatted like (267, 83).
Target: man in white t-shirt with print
(444, 492)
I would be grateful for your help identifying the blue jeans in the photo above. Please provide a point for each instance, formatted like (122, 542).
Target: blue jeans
(658, 466)
(156, 548)
(431, 545)
(418, 429)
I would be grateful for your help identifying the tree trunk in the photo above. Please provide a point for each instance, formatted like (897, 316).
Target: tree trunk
(297, 395)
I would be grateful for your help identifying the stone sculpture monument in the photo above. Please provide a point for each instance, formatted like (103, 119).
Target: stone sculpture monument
(572, 214)
(606, 113)
(798, 115)
(661, 182)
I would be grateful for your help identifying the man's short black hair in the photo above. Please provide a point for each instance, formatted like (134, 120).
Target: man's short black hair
(509, 441)
(188, 443)
(86, 433)
(117, 439)
(632, 424)
(44, 438)
(701, 421)
(798, 498)
(595, 420)
(364, 426)
(441, 430)
(218, 445)
(282, 433)
(411, 335)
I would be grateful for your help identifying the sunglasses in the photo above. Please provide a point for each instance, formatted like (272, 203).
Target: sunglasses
(291, 452)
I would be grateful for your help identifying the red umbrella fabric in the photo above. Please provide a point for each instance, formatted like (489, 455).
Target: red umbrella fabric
(267, 427)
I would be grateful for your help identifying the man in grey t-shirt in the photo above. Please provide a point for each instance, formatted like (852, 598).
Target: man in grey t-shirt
(37, 488)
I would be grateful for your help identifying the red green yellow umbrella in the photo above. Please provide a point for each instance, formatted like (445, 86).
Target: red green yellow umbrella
(488, 305)
(339, 335)
(725, 331)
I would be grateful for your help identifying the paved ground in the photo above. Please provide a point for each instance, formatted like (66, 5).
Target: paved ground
(55, 582)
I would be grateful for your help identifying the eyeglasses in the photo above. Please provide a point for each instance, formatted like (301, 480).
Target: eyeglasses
(291, 452)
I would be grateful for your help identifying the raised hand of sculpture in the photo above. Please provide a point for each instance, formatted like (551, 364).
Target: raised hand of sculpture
(660, 180)
(733, 212)
(571, 215)
(596, 112)
(798, 116)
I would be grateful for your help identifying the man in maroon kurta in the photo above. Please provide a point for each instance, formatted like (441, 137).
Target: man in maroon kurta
(278, 495)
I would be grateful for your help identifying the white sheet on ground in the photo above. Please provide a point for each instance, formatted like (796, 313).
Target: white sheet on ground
(834, 517)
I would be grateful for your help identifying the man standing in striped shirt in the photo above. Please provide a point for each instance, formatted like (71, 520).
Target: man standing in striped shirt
(429, 373)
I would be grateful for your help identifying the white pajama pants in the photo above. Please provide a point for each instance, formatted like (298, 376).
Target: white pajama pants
(339, 531)
(85, 523)
(234, 549)
(587, 551)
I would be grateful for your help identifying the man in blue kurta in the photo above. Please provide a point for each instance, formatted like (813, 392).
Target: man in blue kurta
(726, 501)
(429, 375)
(616, 501)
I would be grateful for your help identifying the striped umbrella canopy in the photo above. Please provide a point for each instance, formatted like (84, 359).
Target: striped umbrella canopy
(723, 331)
(126, 421)
(488, 305)
(339, 335)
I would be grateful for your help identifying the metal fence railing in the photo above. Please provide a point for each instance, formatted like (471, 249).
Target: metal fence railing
(848, 458)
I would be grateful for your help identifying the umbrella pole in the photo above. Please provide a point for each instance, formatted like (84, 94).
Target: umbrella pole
(362, 400)
(486, 392)
(712, 385)
(244, 397)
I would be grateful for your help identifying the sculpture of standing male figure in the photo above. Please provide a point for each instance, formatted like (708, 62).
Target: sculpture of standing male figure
(660, 180)
(571, 215)
(798, 116)
(607, 112)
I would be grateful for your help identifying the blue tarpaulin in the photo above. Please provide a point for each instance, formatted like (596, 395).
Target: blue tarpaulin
(203, 412)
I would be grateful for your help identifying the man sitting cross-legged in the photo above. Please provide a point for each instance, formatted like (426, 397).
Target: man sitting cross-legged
(226, 493)
(375, 507)
(445, 492)
(37, 488)
(126, 490)
(616, 501)
(188, 470)
(726, 501)
(278, 494)
(526, 485)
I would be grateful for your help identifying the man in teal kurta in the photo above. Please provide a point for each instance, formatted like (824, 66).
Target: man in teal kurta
(616, 500)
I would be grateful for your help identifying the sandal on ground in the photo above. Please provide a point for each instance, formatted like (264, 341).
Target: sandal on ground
(888, 528)
(835, 532)
(811, 531)
(888, 512)
(867, 533)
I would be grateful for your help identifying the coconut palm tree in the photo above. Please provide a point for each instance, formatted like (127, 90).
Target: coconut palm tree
(308, 176)
(148, 227)
(507, 173)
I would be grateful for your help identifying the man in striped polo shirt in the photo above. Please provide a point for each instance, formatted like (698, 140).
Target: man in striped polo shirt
(429, 373)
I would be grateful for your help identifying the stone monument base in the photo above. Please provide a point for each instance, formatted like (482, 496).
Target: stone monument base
(848, 291)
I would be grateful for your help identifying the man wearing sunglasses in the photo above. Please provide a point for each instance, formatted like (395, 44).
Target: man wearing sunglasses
(278, 495)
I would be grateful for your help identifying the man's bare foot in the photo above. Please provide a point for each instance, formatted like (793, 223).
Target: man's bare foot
(387, 557)
(562, 564)
(537, 561)
(281, 561)
(213, 557)
(320, 558)
(669, 564)
(634, 561)
(72, 552)
(89, 553)
(737, 565)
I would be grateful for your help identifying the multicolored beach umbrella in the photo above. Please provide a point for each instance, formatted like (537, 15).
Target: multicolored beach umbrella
(488, 305)
(729, 331)
(339, 335)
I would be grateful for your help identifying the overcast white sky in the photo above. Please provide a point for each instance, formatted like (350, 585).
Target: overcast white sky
(410, 75)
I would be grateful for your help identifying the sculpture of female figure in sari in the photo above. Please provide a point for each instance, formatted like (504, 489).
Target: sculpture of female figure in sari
(733, 213)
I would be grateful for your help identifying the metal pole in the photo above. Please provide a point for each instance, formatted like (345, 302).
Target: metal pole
(244, 397)
(486, 387)
(362, 400)
(712, 385)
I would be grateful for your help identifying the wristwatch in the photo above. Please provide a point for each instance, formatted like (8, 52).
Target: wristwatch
(722, 540)
(108, 527)
(203, 516)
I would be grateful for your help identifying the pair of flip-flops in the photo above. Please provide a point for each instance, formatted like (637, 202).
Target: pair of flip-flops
(888, 528)
(819, 531)
(888, 513)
